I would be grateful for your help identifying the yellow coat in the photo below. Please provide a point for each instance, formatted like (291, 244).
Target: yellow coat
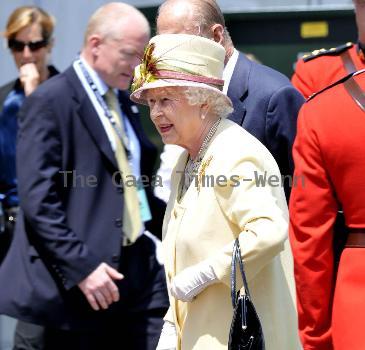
(204, 224)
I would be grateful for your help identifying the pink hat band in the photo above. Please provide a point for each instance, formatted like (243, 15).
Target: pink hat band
(166, 74)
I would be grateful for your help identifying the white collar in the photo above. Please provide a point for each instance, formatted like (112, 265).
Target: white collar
(228, 70)
(100, 84)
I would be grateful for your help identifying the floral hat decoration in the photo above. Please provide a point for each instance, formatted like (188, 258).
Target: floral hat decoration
(179, 60)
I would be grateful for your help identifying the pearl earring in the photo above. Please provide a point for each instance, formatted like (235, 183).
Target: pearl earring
(203, 116)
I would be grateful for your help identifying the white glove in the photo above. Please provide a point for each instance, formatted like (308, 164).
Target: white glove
(191, 281)
(168, 337)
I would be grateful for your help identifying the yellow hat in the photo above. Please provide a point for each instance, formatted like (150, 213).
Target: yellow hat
(180, 60)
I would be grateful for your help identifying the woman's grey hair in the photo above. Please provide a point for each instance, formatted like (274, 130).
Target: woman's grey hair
(216, 102)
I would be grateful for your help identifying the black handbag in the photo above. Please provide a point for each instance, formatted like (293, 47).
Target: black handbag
(246, 331)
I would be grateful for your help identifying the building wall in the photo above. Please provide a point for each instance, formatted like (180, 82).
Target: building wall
(72, 16)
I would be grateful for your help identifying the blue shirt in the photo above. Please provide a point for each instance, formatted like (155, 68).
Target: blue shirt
(8, 131)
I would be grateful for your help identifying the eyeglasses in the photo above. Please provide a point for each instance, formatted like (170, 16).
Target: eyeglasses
(18, 46)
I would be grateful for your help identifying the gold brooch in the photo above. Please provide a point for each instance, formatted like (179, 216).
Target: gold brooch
(202, 170)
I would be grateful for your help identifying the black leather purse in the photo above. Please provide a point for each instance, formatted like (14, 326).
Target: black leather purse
(246, 331)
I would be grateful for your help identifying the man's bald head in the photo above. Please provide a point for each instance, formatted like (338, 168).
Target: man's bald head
(115, 39)
(193, 14)
(106, 21)
(198, 17)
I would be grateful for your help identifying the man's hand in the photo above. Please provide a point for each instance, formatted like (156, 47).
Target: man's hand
(99, 288)
(29, 77)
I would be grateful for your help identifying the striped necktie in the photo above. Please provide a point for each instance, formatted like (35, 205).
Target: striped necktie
(132, 223)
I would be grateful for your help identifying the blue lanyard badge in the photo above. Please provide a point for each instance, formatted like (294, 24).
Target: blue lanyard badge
(144, 208)
(142, 197)
(105, 108)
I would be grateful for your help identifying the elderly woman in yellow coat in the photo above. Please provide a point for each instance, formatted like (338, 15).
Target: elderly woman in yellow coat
(218, 194)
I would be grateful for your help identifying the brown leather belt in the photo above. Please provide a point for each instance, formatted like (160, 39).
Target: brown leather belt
(356, 238)
(352, 87)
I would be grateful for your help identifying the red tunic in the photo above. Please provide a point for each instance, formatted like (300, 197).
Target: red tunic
(329, 155)
(324, 69)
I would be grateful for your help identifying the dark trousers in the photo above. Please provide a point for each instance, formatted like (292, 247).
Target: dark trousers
(6, 235)
(136, 321)
(139, 332)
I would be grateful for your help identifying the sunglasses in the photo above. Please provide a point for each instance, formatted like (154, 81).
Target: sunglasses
(18, 46)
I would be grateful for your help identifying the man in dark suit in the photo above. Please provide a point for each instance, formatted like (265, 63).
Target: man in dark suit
(79, 264)
(265, 103)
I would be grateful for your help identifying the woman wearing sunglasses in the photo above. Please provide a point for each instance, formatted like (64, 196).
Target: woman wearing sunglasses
(29, 35)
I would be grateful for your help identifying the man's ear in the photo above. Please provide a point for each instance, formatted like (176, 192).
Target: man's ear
(94, 43)
(218, 33)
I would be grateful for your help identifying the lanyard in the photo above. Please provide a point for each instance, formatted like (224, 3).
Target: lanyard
(121, 135)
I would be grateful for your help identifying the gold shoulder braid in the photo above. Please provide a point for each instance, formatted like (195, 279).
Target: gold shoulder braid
(334, 51)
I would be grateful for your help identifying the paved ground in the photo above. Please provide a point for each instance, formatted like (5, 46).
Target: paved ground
(7, 326)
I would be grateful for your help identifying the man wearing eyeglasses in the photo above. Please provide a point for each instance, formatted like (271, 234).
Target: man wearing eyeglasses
(82, 263)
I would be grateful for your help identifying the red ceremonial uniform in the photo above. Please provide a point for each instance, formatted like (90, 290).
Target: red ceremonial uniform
(329, 156)
(324, 67)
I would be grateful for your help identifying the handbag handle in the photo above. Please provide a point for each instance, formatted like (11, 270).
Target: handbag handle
(236, 258)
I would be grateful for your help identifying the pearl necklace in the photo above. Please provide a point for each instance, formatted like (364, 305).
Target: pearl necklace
(192, 165)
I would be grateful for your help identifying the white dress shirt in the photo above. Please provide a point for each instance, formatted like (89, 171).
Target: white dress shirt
(134, 146)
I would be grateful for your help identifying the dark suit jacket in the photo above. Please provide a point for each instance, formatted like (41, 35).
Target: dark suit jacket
(71, 209)
(266, 105)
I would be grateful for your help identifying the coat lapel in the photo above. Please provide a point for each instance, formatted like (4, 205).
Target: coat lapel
(176, 176)
(90, 118)
(132, 113)
(238, 88)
